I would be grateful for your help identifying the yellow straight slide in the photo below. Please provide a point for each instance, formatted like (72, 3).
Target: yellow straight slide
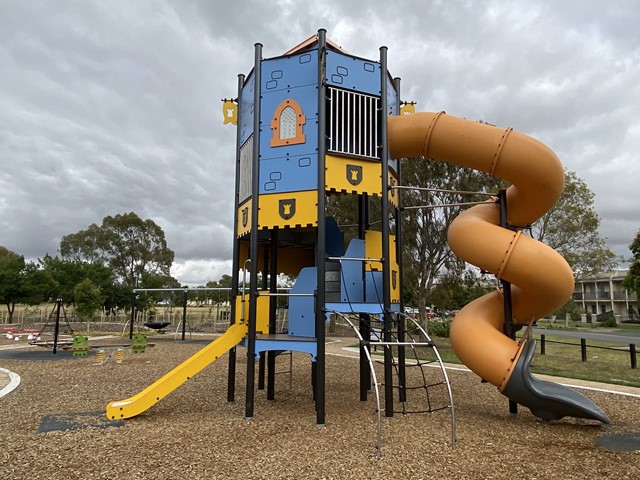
(132, 406)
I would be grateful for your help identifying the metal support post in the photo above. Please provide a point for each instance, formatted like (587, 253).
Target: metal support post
(508, 327)
(56, 330)
(185, 297)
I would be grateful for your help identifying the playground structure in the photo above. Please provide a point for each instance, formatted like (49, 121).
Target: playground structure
(59, 339)
(167, 299)
(80, 347)
(317, 122)
(58, 327)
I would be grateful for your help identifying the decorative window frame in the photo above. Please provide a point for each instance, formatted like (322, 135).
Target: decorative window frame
(299, 137)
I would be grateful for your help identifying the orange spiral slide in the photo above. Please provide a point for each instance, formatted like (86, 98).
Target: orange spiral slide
(541, 279)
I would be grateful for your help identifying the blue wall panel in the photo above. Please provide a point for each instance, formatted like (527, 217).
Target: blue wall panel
(289, 174)
(392, 97)
(301, 309)
(286, 72)
(334, 238)
(352, 289)
(245, 116)
(307, 98)
(374, 287)
(353, 73)
(392, 109)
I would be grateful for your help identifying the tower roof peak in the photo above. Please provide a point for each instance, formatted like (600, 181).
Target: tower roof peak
(311, 42)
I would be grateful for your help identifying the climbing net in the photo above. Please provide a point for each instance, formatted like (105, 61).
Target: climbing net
(410, 375)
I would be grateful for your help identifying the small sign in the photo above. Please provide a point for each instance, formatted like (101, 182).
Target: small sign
(287, 208)
(354, 174)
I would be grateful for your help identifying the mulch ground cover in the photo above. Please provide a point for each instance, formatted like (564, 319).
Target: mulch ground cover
(195, 433)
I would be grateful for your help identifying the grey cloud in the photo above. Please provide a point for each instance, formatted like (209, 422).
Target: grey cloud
(113, 107)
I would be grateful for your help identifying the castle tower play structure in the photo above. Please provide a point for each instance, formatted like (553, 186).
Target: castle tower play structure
(310, 126)
(317, 122)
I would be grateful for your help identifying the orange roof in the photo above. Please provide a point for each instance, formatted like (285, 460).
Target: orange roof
(310, 42)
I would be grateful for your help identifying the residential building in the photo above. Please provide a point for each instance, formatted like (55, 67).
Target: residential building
(604, 293)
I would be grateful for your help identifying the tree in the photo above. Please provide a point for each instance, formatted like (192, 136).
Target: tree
(85, 246)
(632, 280)
(452, 292)
(22, 282)
(68, 273)
(133, 248)
(11, 265)
(571, 228)
(426, 217)
(217, 297)
(88, 298)
(36, 284)
(150, 280)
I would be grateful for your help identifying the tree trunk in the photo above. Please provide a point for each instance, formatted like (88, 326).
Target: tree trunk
(11, 306)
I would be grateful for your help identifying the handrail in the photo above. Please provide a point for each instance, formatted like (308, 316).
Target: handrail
(244, 283)
(356, 259)
(441, 190)
(272, 294)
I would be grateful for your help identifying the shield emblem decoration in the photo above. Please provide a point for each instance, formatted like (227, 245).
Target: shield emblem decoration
(245, 216)
(354, 174)
(287, 208)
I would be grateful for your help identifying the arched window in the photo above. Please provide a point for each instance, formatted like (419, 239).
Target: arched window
(287, 123)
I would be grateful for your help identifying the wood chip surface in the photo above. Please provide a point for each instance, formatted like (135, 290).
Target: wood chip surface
(194, 433)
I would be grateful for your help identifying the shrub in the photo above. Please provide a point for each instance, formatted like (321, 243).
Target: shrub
(88, 298)
(606, 320)
(439, 327)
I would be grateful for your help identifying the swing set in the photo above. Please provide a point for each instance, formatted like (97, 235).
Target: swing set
(145, 301)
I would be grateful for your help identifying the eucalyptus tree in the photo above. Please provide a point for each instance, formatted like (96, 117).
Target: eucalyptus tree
(133, 248)
(632, 280)
(440, 192)
(571, 228)
(22, 282)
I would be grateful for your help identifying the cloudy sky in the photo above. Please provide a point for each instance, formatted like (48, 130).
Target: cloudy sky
(109, 107)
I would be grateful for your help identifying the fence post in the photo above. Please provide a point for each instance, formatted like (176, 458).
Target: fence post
(632, 353)
(542, 344)
(583, 348)
(184, 312)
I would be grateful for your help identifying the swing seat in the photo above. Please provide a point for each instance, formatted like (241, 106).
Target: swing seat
(157, 325)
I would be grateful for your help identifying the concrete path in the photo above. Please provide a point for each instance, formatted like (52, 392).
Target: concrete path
(344, 347)
(9, 381)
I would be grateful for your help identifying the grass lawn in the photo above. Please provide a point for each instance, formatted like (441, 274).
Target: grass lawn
(607, 365)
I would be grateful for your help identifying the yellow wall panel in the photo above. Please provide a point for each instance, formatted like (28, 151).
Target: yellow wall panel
(393, 193)
(350, 175)
(244, 219)
(244, 255)
(262, 322)
(291, 259)
(291, 209)
(373, 249)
